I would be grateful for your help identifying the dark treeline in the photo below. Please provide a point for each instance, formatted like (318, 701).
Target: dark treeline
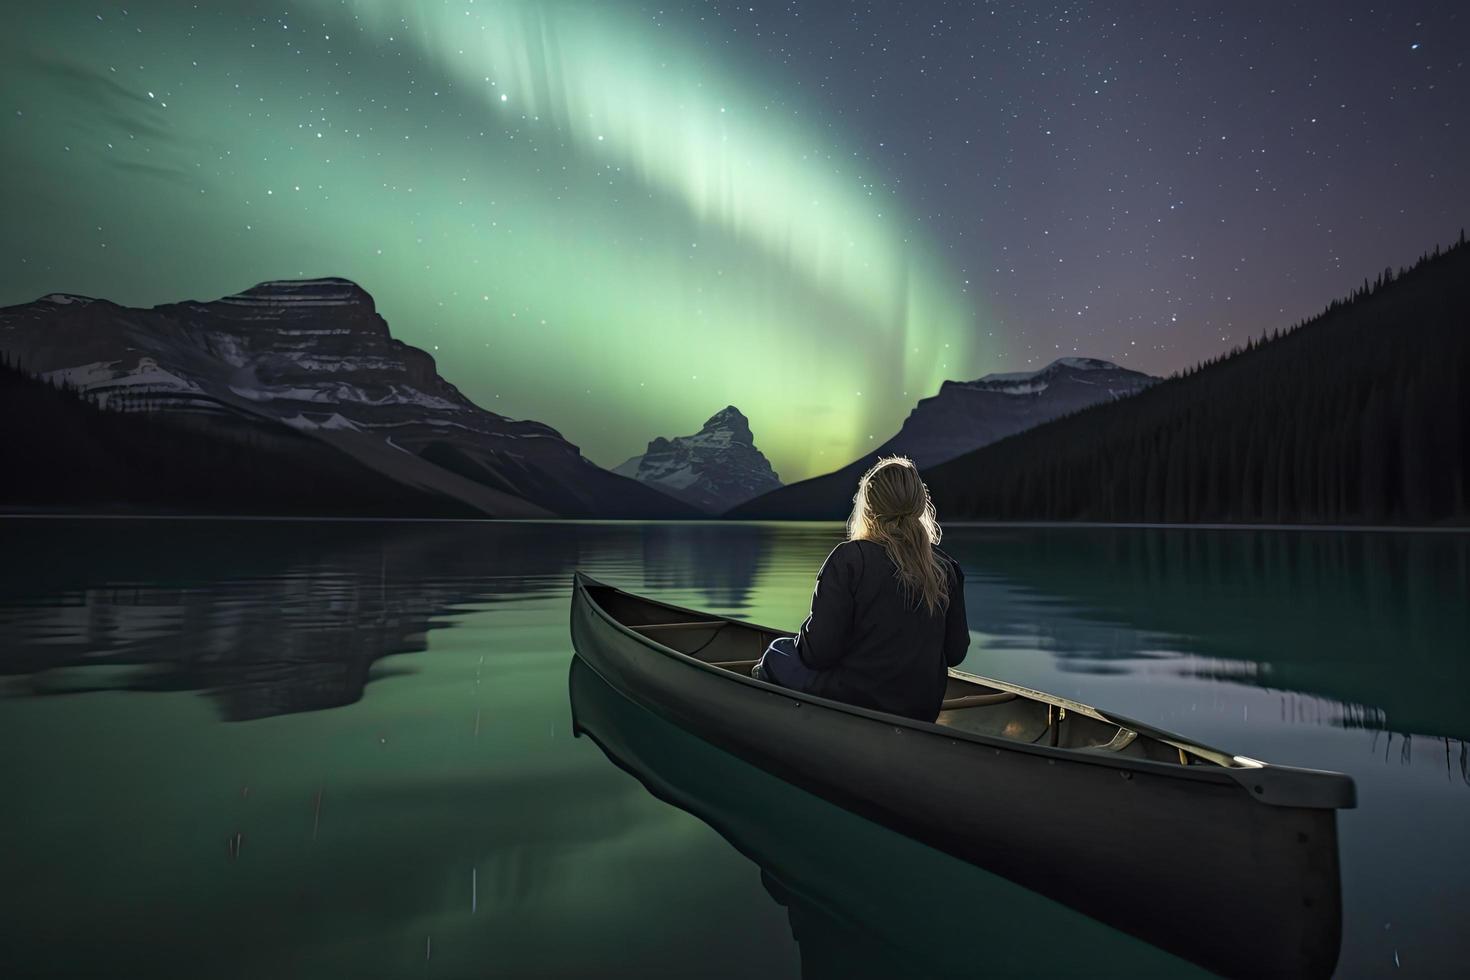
(62, 452)
(1358, 415)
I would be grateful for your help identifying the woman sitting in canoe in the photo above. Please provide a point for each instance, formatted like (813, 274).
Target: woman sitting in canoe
(888, 610)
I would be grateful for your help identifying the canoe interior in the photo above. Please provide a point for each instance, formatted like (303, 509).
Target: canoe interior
(968, 706)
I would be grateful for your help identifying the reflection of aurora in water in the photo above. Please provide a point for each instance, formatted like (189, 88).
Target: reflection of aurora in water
(575, 213)
(302, 614)
(1021, 621)
(445, 760)
(1358, 629)
(299, 614)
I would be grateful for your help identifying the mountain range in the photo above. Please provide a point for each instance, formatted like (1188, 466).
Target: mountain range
(963, 416)
(293, 396)
(314, 356)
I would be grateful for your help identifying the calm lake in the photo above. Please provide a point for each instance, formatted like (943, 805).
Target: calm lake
(255, 748)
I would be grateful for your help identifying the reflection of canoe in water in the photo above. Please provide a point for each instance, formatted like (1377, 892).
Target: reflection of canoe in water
(1225, 861)
(862, 901)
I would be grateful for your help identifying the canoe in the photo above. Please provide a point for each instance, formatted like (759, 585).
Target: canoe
(1224, 860)
(848, 884)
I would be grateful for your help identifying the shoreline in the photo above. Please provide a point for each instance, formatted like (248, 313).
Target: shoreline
(1091, 525)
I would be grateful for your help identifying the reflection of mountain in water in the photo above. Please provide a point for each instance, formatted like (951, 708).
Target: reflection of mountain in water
(270, 618)
(277, 617)
(861, 900)
(273, 618)
(1368, 619)
(718, 560)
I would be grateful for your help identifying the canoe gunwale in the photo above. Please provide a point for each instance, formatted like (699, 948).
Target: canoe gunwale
(1265, 783)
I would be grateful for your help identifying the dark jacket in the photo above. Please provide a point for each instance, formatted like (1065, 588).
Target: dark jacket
(874, 649)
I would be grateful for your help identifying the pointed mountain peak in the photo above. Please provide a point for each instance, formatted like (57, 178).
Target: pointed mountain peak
(714, 469)
(730, 419)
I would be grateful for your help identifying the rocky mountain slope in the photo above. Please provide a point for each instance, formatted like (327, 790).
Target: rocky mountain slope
(64, 454)
(714, 469)
(962, 417)
(314, 355)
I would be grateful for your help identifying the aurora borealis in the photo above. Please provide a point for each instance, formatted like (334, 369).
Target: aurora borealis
(618, 218)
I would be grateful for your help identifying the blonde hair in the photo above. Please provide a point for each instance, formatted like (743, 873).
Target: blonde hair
(892, 507)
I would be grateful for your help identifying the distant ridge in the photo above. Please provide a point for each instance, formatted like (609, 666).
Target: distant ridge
(1360, 415)
(962, 416)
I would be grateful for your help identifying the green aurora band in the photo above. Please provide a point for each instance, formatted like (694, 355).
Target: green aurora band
(587, 220)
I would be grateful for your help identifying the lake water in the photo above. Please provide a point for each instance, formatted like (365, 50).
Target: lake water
(253, 748)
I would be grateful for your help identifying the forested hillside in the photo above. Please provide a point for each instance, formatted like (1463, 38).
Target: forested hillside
(1359, 415)
(61, 452)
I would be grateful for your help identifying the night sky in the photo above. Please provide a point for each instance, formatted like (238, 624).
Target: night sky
(617, 218)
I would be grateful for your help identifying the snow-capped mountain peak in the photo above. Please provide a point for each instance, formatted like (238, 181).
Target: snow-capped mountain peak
(1038, 376)
(727, 427)
(713, 469)
(729, 420)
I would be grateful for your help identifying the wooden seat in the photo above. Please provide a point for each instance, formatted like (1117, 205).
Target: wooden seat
(976, 700)
(1121, 741)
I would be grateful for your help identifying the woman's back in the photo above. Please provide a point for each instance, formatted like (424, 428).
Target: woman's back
(888, 612)
(873, 642)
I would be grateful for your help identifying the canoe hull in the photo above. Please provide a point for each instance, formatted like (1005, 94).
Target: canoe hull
(1193, 866)
(849, 884)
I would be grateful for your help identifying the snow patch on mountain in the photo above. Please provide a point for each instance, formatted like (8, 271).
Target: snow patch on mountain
(1026, 386)
(112, 385)
(84, 375)
(332, 422)
(1035, 382)
(677, 479)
